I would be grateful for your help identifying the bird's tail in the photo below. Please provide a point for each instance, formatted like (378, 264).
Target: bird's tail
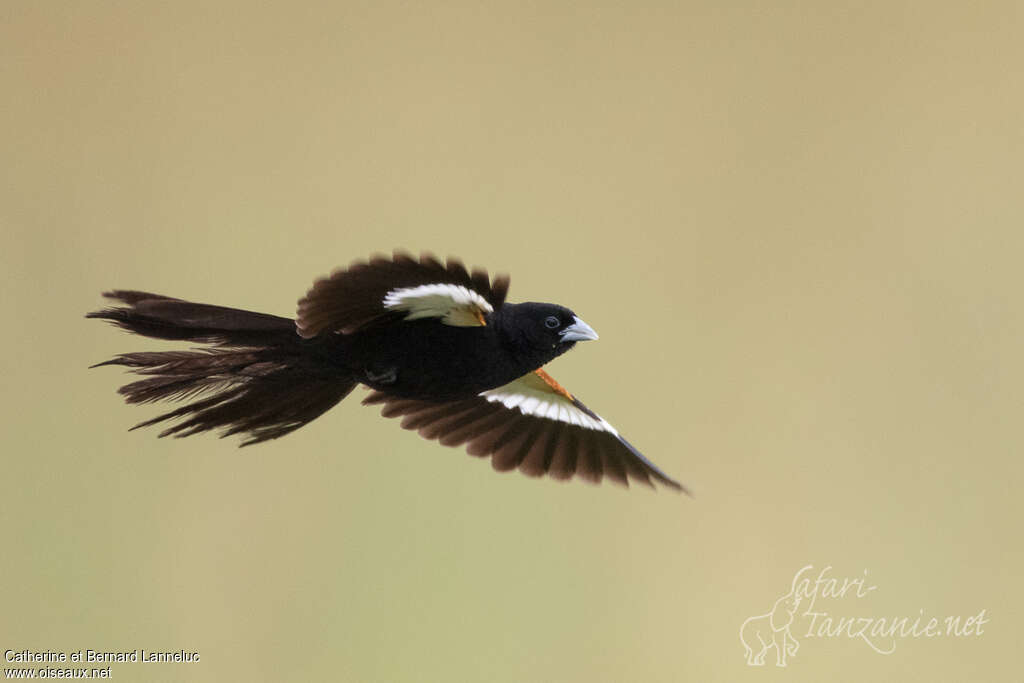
(256, 377)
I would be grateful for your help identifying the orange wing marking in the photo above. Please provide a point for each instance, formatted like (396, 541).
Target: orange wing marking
(550, 381)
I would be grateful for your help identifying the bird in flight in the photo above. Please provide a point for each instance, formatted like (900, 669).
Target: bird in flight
(438, 346)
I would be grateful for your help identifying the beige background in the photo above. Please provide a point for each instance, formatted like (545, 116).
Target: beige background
(796, 228)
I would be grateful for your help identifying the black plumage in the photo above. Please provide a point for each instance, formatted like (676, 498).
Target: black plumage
(438, 345)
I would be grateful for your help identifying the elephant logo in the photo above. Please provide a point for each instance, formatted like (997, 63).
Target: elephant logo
(765, 631)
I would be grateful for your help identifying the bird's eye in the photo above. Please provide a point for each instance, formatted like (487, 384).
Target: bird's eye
(551, 322)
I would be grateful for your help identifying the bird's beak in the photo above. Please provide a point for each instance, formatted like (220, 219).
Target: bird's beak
(578, 331)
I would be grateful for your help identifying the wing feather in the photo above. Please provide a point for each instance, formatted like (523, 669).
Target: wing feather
(511, 453)
(462, 416)
(535, 461)
(530, 426)
(612, 465)
(475, 429)
(387, 289)
(562, 454)
(588, 462)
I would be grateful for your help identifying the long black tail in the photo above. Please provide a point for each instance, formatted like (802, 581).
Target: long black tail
(257, 377)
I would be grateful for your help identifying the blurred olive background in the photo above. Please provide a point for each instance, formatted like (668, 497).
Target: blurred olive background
(797, 229)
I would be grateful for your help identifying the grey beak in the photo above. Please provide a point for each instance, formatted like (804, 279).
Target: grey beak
(578, 331)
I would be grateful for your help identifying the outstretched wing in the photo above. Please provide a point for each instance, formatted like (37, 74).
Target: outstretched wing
(391, 288)
(531, 424)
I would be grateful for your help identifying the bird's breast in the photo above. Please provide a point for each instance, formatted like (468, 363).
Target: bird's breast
(429, 360)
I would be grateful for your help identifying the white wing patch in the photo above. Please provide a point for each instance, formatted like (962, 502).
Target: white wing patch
(453, 304)
(532, 396)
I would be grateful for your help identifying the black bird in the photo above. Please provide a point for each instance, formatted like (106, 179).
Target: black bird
(438, 345)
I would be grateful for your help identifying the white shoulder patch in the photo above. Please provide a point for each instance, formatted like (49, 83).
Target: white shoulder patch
(531, 396)
(453, 304)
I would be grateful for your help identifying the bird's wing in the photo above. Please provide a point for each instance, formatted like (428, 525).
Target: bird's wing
(531, 424)
(392, 288)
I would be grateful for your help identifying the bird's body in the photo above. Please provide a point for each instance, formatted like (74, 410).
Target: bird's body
(425, 359)
(439, 346)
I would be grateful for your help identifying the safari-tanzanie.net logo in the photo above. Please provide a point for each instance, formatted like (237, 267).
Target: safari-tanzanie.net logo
(821, 605)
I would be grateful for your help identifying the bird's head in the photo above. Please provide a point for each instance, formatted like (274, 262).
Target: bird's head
(543, 330)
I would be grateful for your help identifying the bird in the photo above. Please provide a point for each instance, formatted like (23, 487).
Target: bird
(437, 345)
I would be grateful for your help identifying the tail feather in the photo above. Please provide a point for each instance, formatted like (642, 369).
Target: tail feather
(161, 317)
(265, 410)
(258, 377)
